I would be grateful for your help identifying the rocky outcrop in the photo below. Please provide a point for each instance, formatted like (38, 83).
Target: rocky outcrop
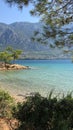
(12, 66)
(7, 124)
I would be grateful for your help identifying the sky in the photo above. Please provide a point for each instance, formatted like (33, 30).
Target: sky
(13, 14)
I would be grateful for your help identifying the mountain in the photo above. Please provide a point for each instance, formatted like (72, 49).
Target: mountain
(19, 34)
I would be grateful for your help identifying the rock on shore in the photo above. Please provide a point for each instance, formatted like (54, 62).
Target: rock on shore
(12, 66)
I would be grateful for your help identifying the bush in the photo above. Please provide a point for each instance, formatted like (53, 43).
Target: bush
(6, 104)
(40, 113)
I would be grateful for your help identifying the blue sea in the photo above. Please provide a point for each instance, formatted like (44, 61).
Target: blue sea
(44, 76)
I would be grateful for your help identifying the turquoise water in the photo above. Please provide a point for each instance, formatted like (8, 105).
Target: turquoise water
(43, 76)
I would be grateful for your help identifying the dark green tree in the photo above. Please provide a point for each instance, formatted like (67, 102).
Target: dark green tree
(15, 53)
(9, 54)
(5, 57)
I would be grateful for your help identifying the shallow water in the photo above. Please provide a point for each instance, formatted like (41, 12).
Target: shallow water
(43, 76)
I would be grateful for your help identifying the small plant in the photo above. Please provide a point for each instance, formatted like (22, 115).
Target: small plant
(6, 104)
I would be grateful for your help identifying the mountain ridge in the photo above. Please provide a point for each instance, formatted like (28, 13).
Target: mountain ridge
(19, 34)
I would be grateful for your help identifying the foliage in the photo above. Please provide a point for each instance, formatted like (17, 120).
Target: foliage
(41, 113)
(54, 14)
(9, 54)
(6, 57)
(6, 104)
(20, 3)
(14, 53)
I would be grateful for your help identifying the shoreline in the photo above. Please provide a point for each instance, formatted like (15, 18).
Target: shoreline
(17, 95)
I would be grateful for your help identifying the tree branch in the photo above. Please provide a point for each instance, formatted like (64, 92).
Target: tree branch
(63, 6)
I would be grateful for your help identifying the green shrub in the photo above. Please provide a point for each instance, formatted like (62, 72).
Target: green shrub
(6, 104)
(40, 113)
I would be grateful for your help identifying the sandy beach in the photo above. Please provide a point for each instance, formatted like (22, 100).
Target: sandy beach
(16, 94)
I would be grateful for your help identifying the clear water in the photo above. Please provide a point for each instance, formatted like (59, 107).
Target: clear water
(43, 76)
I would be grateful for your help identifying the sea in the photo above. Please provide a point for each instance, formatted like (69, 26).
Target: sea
(42, 77)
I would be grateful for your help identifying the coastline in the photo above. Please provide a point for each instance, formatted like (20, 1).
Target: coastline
(17, 96)
(19, 82)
